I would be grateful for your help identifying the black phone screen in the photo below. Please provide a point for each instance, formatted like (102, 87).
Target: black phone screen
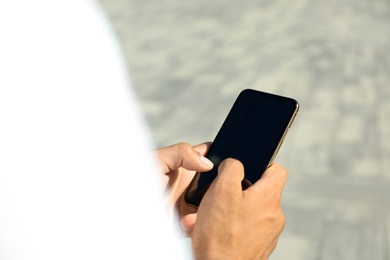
(251, 133)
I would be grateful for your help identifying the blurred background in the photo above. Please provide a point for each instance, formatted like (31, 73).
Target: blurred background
(188, 61)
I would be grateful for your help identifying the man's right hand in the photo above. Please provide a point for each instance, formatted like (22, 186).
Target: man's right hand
(236, 224)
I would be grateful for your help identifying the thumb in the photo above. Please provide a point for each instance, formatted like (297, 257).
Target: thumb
(230, 175)
(183, 155)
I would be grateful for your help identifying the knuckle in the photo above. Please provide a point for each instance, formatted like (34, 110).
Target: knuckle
(183, 147)
(279, 220)
(275, 214)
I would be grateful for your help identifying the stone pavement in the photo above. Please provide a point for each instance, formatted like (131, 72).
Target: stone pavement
(190, 59)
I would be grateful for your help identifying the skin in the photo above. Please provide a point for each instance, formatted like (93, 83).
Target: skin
(229, 223)
(179, 163)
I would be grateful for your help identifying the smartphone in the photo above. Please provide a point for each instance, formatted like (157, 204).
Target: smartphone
(252, 133)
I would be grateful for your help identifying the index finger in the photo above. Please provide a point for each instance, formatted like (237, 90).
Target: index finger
(184, 155)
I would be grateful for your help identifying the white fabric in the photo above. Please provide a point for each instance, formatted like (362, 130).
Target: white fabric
(76, 180)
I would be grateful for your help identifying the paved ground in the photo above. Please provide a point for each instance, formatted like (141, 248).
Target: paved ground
(190, 59)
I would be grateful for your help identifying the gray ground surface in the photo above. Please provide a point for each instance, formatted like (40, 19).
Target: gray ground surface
(190, 59)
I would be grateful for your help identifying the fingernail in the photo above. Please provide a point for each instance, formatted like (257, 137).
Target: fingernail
(206, 161)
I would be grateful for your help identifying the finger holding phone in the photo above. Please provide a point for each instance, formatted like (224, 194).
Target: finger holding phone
(230, 222)
(236, 224)
(178, 165)
(238, 200)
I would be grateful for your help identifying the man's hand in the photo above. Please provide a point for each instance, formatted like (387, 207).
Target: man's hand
(236, 224)
(179, 163)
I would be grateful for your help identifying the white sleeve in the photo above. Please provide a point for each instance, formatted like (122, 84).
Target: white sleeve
(76, 178)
